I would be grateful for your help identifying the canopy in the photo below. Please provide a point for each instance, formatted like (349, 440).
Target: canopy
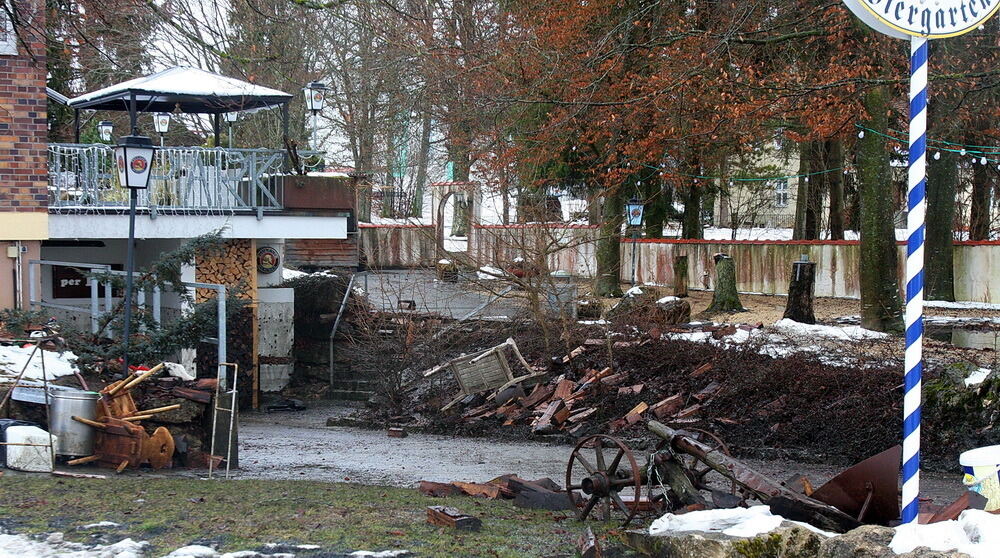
(191, 89)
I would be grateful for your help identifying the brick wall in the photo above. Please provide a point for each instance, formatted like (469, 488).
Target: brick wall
(23, 126)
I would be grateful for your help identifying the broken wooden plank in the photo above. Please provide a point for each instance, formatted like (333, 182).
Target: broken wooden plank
(451, 517)
(563, 389)
(573, 354)
(709, 391)
(196, 395)
(702, 369)
(631, 390)
(968, 500)
(689, 412)
(635, 414)
(668, 407)
(437, 489)
(561, 415)
(539, 394)
(614, 379)
(544, 422)
(581, 415)
(490, 491)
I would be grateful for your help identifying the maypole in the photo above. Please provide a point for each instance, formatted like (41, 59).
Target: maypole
(917, 21)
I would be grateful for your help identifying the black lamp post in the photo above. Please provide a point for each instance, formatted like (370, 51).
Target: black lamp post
(104, 128)
(161, 121)
(134, 159)
(230, 117)
(315, 93)
(633, 218)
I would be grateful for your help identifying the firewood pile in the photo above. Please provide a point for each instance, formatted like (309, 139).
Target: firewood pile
(573, 400)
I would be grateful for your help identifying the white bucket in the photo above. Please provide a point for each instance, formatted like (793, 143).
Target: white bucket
(982, 473)
(34, 455)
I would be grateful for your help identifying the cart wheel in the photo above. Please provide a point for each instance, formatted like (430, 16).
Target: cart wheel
(591, 479)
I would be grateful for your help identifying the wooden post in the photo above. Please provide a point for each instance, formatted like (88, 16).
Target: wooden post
(801, 290)
(681, 276)
(725, 298)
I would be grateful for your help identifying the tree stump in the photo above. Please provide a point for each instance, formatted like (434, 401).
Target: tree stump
(801, 293)
(680, 276)
(725, 298)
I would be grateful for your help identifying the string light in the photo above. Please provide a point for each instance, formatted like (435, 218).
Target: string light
(861, 134)
(937, 155)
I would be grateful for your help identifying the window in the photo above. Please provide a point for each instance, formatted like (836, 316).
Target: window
(780, 193)
(8, 38)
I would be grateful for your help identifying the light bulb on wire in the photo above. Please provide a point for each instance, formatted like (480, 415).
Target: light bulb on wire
(937, 155)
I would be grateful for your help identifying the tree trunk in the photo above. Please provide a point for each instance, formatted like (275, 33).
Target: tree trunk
(656, 209)
(423, 159)
(979, 204)
(814, 192)
(801, 193)
(609, 245)
(725, 298)
(680, 276)
(801, 291)
(835, 180)
(942, 188)
(878, 263)
(691, 225)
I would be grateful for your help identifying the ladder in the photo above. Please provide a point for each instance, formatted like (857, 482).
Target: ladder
(220, 389)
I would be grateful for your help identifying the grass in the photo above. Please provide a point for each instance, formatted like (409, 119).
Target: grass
(246, 514)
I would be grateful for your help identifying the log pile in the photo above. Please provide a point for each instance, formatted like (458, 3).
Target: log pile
(571, 402)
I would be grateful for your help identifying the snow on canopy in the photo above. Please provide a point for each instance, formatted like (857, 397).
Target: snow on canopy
(192, 89)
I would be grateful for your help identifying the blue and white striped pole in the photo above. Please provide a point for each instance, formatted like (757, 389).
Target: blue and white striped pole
(914, 316)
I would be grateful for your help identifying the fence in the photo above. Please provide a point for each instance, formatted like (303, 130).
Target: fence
(183, 178)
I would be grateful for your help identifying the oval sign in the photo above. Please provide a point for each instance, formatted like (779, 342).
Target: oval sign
(139, 164)
(936, 19)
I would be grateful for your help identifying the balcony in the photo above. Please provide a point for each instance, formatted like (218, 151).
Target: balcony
(200, 180)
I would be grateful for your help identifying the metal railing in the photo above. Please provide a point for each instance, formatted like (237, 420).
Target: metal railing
(94, 307)
(183, 178)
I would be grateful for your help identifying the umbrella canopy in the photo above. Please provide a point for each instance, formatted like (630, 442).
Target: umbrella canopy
(191, 89)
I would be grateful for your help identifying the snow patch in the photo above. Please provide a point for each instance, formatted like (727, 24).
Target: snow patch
(444, 262)
(383, 554)
(634, 291)
(975, 532)
(489, 273)
(977, 377)
(961, 305)
(13, 359)
(100, 524)
(791, 327)
(667, 299)
(287, 274)
(20, 546)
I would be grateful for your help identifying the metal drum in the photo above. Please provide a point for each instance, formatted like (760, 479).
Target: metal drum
(74, 438)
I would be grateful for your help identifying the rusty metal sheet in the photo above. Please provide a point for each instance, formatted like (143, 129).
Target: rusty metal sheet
(869, 490)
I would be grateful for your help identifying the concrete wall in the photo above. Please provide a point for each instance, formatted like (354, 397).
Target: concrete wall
(275, 316)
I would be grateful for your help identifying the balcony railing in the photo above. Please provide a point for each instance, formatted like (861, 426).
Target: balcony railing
(183, 178)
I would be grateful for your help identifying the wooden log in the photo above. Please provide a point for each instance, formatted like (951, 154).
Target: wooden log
(82, 460)
(801, 292)
(89, 422)
(451, 517)
(544, 422)
(672, 473)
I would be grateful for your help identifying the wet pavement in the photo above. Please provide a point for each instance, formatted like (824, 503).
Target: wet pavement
(301, 446)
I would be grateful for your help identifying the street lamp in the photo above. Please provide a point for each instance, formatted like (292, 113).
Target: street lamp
(230, 117)
(161, 121)
(104, 128)
(315, 93)
(633, 218)
(134, 159)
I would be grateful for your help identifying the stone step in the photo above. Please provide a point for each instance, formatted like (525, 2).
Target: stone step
(356, 385)
(350, 395)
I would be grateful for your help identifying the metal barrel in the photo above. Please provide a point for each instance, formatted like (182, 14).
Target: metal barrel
(74, 438)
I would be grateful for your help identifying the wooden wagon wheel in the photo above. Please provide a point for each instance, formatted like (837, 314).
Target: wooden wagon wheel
(603, 480)
(697, 470)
